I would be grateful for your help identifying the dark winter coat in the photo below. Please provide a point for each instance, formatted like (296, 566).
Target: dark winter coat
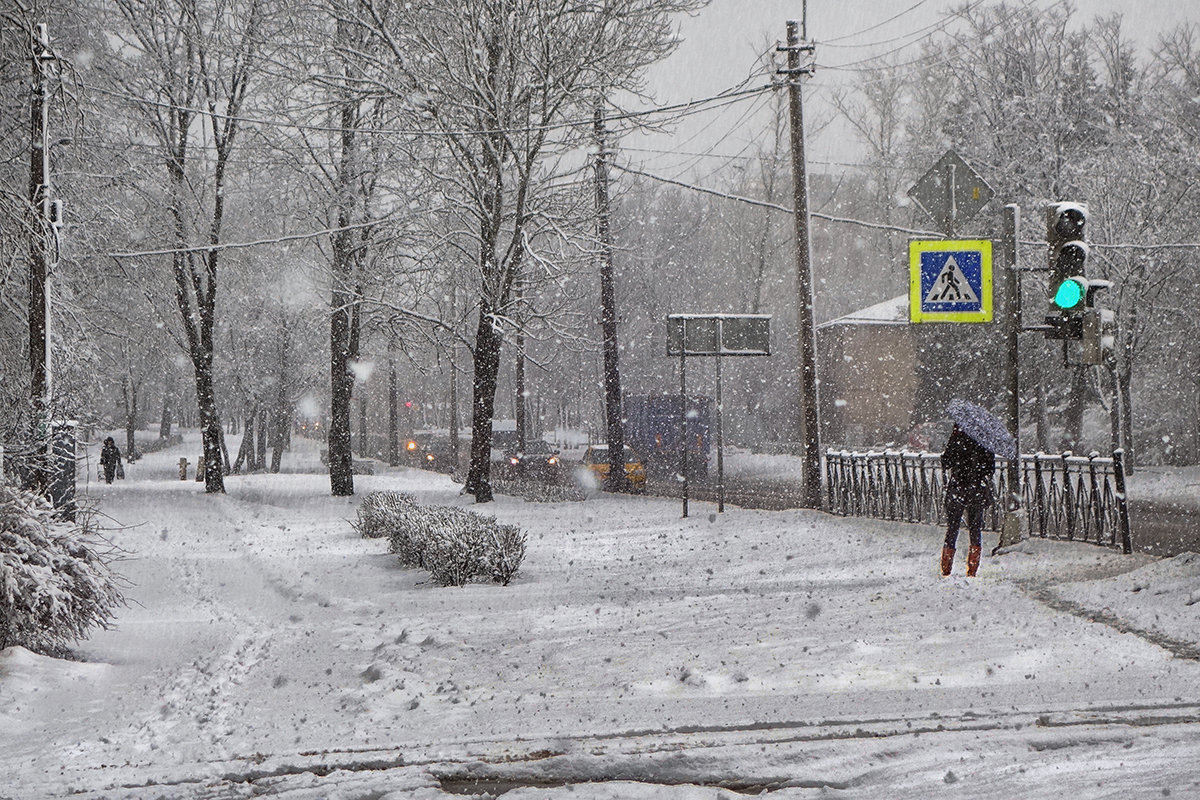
(110, 456)
(970, 465)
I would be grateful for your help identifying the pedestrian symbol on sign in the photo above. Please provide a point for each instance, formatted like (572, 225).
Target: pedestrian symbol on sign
(951, 286)
(950, 281)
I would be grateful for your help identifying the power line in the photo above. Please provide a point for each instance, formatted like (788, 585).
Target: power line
(876, 225)
(204, 248)
(832, 42)
(925, 33)
(686, 107)
(780, 157)
(774, 206)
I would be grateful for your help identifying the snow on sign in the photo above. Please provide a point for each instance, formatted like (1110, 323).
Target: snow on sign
(950, 281)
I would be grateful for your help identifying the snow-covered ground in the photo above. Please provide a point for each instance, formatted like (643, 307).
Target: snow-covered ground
(268, 650)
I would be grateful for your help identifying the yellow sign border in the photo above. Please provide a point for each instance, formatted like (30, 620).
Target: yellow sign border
(918, 246)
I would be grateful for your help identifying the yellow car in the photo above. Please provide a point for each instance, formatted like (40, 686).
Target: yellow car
(595, 459)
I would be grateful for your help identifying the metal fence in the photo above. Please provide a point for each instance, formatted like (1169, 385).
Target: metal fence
(1078, 498)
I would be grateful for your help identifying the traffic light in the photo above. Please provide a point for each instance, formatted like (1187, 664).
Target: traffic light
(1070, 290)
(1099, 328)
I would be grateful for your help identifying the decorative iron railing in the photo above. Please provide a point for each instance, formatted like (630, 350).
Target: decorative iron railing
(1079, 498)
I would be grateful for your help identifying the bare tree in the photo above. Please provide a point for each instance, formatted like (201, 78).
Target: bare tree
(506, 84)
(188, 65)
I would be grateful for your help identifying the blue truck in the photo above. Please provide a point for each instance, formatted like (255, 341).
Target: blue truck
(652, 429)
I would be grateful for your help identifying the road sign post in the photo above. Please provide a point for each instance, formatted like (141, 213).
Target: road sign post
(713, 335)
(951, 192)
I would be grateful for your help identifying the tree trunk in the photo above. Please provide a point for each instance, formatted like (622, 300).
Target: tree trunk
(393, 434)
(364, 447)
(210, 431)
(341, 464)
(129, 389)
(245, 454)
(519, 410)
(280, 424)
(264, 430)
(453, 384)
(488, 342)
(341, 457)
(164, 424)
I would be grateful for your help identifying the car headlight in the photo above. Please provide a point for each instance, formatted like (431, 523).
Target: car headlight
(552, 460)
(514, 461)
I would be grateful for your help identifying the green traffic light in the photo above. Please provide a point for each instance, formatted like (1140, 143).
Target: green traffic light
(1069, 294)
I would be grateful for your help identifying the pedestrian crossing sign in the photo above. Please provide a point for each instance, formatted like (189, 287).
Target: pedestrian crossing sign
(950, 281)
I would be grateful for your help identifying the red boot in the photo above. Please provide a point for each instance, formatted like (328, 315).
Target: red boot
(947, 560)
(973, 560)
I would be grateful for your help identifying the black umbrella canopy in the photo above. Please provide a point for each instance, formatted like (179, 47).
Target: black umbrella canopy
(982, 426)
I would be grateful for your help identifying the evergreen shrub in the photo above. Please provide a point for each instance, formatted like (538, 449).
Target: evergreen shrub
(56, 581)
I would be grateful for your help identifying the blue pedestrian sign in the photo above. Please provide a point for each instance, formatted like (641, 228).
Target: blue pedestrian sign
(950, 281)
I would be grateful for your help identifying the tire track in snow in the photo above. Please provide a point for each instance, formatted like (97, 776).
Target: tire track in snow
(636, 754)
(1045, 595)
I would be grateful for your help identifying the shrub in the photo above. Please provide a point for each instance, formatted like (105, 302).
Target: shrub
(55, 578)
(454, 544)
(379, 512)
(536, 492)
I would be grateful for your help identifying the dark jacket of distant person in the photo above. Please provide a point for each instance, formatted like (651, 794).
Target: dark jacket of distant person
(970, 465)
(110, 459)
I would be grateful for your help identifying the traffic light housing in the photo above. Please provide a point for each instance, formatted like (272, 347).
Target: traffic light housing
(1098, 335)
(1070, 290)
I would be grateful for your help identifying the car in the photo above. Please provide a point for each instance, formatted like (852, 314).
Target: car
(537, 461)
(595, 460)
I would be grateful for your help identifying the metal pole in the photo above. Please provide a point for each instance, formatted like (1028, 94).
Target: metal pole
(1122, 506)
(952, 200)
(1012, 292)
(720, 437)
(804, 295)
(683, 425)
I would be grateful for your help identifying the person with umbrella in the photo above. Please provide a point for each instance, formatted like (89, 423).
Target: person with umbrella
(970, 457)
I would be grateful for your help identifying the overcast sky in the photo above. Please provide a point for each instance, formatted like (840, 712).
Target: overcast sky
(721, 44)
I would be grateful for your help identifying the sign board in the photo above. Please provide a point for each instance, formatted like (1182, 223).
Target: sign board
(719, 334)
(950, 281)
(951, 192)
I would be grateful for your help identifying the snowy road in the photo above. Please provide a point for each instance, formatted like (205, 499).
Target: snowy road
(270, 651)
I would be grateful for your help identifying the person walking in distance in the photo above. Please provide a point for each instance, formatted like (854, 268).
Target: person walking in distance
(110, 459)
(969, 492)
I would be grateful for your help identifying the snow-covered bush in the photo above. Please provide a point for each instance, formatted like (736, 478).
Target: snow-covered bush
(538, 492)
(55, 577)
(455, 545)
(380, 512)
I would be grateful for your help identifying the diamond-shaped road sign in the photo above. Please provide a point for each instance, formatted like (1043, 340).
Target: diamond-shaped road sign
(951, 192)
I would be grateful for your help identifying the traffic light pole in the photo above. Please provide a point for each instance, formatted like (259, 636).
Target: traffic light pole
(1012, 292)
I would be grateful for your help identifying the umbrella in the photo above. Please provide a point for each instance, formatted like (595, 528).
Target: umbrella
(978, 423)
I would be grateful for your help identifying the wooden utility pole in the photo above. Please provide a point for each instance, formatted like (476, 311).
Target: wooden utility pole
(617, 480)
(808, 416)
(41, 228)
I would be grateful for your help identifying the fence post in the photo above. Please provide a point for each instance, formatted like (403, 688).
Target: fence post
(1122, 509)
(1068, 496)
(1039, 494)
